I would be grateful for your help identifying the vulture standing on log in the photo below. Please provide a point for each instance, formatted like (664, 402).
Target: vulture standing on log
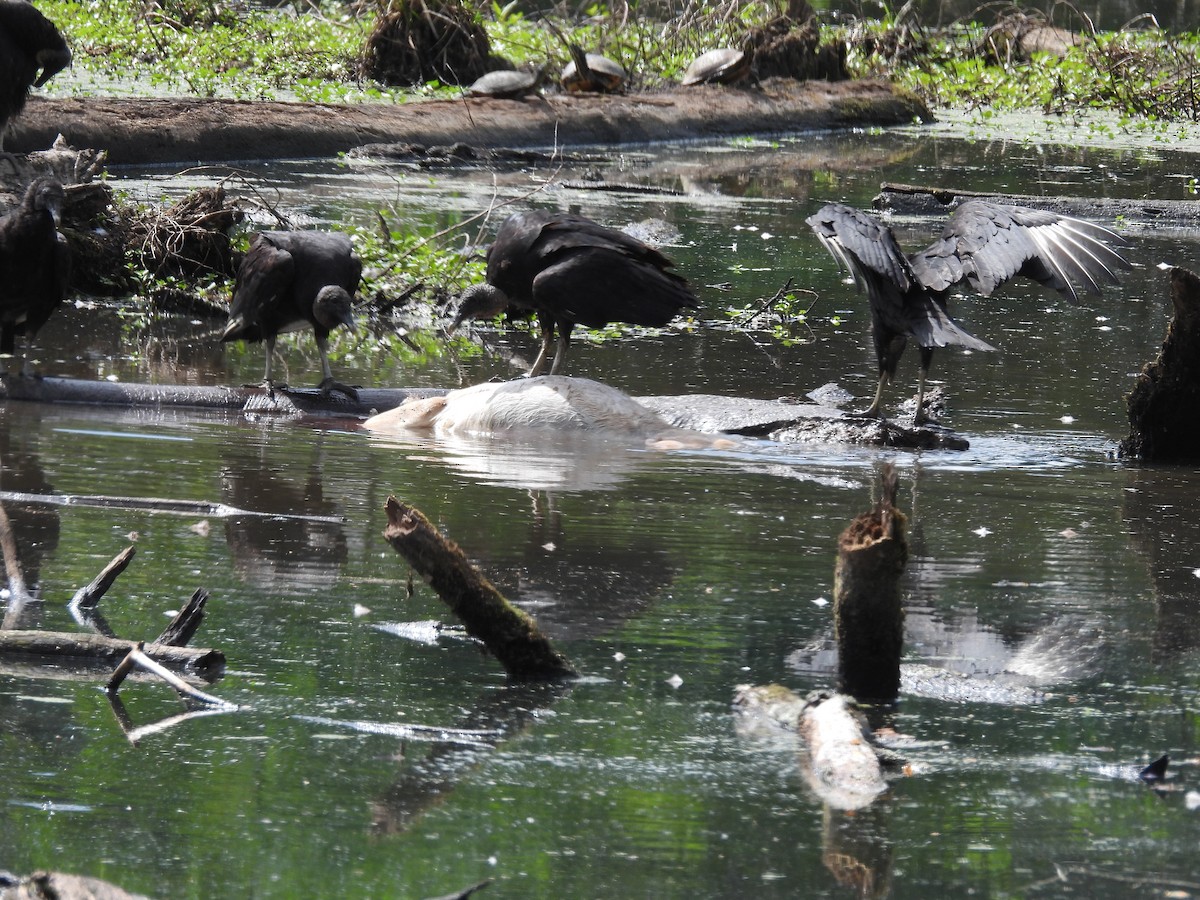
(984, 244)
(31, 52)
(291, 280)
(572, 271)
(35, 263)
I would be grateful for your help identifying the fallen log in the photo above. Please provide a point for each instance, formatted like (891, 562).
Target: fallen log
(250, 398)
(101, 651)
(509, 634)
(867, 611)
(840, 760)
(1163, 426)
(910, 199)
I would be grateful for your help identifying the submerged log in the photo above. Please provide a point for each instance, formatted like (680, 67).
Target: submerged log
(1163, 426)
(839, 759)
(867, 612)
(509, 634)
(911, 199)
(103, 651)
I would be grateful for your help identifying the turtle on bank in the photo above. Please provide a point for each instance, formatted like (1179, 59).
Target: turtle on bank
(508, 84)
(592, 72)
(722, 66)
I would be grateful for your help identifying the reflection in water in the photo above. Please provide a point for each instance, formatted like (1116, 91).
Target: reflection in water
(1160, 509)
(425, 782)
(285, 555)
(34, 526)
(578, 584)
(541, 460)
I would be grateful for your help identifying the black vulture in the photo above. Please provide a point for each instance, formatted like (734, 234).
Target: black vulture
(572, 271)
(31, 52)
(291, 280)
(984, 244)
(35, 263)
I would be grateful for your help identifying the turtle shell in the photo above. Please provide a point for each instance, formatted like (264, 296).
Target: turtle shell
(723, 66)
(599, 74)
(507, 83)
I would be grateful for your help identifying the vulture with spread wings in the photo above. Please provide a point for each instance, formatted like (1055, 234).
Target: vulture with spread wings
(984, 244)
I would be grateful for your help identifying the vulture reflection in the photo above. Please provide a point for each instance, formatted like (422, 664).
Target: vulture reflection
(573, 271)
(290, 280)
(35, 263)
(31, 52)
(984, 244)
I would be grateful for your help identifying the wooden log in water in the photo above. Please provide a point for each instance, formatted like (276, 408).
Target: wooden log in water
(71, 648)
(249, 398)
(914, 199)
(1163, 425)
(839, 758)
(867, 611)
(510, 634)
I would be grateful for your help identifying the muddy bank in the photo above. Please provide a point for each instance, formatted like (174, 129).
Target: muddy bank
(139, 131)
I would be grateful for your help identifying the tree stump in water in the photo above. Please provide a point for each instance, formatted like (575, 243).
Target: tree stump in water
(1163, 426)
(867, 613)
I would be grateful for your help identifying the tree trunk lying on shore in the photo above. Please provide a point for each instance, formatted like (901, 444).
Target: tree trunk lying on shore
(1163, 424)
(509, 634)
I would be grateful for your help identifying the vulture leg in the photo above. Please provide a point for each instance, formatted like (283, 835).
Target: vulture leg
(873, 411)
(546, 321)
(269, 343)
(328, 384)
(564, 338)
(919, 417)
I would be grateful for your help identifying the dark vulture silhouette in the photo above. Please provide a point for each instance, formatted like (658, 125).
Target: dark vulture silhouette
(31, 52)
(572, 271)
(35, 263)
(291, 280)
(984, 244)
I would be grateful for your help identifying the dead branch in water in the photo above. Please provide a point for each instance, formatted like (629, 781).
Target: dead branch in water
(509, 634)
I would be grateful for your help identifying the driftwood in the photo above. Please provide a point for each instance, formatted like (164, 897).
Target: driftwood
(508, 633)
(104, 648)
(1163, 426)
(101, 650)
(911, 199)
(137, 658)
(839, 758)
(868, 615)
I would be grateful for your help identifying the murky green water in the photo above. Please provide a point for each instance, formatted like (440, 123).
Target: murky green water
(667, 578)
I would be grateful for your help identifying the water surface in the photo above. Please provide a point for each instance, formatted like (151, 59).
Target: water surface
(667, 578)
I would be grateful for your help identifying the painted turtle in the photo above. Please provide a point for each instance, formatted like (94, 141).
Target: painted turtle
(509, 84)
(592, 72)
(723, 66)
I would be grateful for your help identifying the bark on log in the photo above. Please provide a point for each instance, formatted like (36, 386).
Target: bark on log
(508, 633)
(913, 199)
(99, 650)
(283, 402)
(1163, 425)
(868, 615)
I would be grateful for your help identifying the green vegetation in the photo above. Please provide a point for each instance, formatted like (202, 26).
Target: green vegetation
(1139, 81)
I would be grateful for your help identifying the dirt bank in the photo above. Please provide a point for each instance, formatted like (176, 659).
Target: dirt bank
(139, 131)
